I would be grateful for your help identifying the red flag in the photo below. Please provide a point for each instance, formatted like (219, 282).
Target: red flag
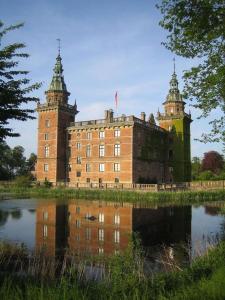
(116, 99)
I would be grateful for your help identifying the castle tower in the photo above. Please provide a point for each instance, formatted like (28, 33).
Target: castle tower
(54, 116)
(177, 122)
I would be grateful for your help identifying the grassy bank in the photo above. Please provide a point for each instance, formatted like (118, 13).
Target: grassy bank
(116, 195)
(126, 279)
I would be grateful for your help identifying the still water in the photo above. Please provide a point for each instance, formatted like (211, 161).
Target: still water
(97, 227)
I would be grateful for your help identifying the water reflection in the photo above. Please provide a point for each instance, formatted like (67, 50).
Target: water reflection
(97, 227)
(93, 228)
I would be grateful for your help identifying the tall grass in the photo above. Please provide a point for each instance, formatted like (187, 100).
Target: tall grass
(125, 279)
(185, 197)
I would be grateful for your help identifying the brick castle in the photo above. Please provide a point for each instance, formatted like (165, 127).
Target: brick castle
(124, 149)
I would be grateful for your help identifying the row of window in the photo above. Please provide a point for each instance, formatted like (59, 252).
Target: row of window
(101, 234)
(101, 134)
(89, 134)
(101, 168)
(101, 150)
(88, 151)
(101, 217)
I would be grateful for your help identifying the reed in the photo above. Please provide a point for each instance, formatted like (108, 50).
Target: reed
(124, 278)
(184, 197)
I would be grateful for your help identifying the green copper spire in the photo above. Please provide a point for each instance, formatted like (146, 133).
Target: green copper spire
(174, 93)
(57, 83)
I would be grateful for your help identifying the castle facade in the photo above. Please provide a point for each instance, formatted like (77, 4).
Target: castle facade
(125, 149)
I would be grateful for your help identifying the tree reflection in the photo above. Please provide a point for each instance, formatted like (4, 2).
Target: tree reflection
(3, 217)
(16, 214)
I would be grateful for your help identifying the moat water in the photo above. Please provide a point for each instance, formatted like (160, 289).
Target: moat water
(96, 227)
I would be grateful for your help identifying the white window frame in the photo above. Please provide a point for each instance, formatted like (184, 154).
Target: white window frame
(100, 250)
(117, 219)
(101, 134)
(45, 215)
(88, 167)
(101, 234)
(101, 218)
(79, 160)
(46, 136)
(78, 145)
(117, 149)
(101, 167)
(47, 151)
(101, 150)
(46, 168)
(47, 123)
(117, 132)
(89, 135)
(116, 167)
(117, 236)
(88, 151)
(45, 231)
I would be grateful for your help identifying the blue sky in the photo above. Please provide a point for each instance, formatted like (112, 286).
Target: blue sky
(107, 46)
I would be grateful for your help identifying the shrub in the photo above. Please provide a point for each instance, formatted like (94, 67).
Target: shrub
(23, 181)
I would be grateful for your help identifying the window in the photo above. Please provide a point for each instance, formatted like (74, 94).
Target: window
(77, 237)
(101, 167)
(101, 218)
(78, 223)
(117, 133)
(78, 173)
(45, 215)
(88, 234)
(46, 167)
(78, 160)
(78, 210)
(78, 146)
(101, 234)
(46, 151)
(89, 135)
(116, 236)
(101, 134)
(117, 180)
(69, 137)
(88, 180)
(170, 154)
(117, 150)
(46, 136)
(101, 150)
(69, 167)
(116, 167)
(47, 123)
(88, 150)
(117, 219)
(88, 167)
(45, 230)
(100, 250)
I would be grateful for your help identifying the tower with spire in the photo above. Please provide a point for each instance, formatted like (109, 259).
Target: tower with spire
(177, 122)
(54, 116)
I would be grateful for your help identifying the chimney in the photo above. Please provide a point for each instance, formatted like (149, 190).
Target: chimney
(143, 116)
(109, 116)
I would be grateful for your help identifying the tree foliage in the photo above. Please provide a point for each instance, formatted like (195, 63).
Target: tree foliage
(212, 161)
(197, 30)
(14, 85)
(13, 163)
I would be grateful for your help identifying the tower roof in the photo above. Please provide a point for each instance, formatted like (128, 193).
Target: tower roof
(174, 93)
(57, 83)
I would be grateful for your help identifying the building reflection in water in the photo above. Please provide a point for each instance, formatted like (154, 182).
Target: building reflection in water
(96, 227)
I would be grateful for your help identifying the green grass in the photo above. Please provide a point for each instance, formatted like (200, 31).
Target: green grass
(125, 279)
(186, 197)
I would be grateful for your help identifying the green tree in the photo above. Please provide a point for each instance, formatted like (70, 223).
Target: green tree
(197, 30)
(12, 162)
(14, 85)
(195, 167)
